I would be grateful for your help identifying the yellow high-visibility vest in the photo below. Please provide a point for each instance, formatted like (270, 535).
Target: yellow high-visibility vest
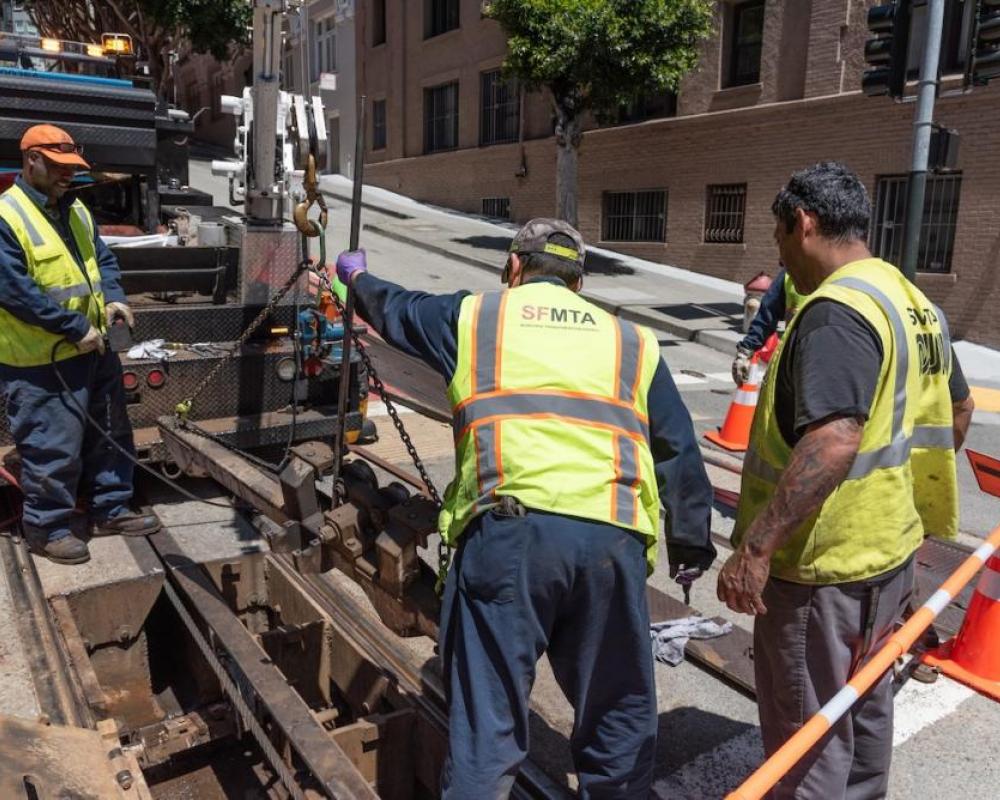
(549, 406)
(903, 482)
(793, 298)
(56, 272)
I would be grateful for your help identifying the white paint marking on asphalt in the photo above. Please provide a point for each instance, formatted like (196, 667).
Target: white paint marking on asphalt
(715, 772)
(377, 408)
(718, 771)
(921, 704)
(725, 377)
(686, 380)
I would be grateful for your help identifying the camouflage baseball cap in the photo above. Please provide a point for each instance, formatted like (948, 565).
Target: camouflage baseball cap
(536, 236)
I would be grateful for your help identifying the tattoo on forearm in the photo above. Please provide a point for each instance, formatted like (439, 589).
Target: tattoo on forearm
(819, 462)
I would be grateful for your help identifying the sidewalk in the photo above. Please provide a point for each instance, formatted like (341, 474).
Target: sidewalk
(689, 305)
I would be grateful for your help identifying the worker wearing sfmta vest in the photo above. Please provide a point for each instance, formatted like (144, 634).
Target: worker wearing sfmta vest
(569, 434)
(59, 290)
(851, 462)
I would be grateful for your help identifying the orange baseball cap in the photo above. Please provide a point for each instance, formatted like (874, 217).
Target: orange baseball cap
(55, 144)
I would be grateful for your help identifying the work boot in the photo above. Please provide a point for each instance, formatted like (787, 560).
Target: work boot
(64, 550)
(130, 523)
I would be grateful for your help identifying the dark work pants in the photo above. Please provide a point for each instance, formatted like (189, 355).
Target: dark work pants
(806, 647)
(62, 456)
(523, 586)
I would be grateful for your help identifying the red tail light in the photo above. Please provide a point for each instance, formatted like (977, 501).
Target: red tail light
(130, 381)
(156, 378)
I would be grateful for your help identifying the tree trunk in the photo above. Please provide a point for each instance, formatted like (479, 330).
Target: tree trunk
(568, 137)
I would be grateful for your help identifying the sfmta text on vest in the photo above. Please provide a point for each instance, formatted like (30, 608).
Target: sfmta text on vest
(551, 314)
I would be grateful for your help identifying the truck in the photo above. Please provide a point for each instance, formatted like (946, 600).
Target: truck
(218, 290)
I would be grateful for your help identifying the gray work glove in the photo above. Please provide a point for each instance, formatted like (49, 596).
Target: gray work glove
(114, 310)
(741, 365)
(92, 340)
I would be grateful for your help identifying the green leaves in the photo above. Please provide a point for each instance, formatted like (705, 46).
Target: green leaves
(602, 53)
(211, 26)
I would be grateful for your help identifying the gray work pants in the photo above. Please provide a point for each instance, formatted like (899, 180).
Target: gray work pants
(806, 647)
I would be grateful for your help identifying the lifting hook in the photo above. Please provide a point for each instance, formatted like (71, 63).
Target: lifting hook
(300, 215)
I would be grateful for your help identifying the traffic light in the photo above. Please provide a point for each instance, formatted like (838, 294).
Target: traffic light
(887, 53)
(984, 51)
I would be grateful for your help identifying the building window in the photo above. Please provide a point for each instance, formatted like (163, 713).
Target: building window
(440, 16)
(324, 47)
(725, 206)
(498, 207)
(955, 35)
(441, 118)
(378, 22)
(746, 34)
(649, 106)
(937, 228)
(288, 70)
(499, 109)
(635, 216)
(378, 125)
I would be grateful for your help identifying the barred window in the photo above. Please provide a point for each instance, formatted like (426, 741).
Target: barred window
(725, 207)
(499, 109)
(498, 207)
(937, 228)
(635, 216)
(378, 125)
(440, 16)
(441, 118)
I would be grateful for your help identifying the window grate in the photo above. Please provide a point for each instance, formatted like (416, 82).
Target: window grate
(378, 125)
(635, 216)
(747, 38)
(498, 207)
(440, 16)
(441, 118)
(499, 109)
(725, 209)
(937, 229)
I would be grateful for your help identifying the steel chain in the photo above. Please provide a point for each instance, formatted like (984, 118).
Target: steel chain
(443, 549)
(185, 405)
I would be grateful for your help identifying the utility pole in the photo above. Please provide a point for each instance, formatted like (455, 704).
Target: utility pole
(923, 122)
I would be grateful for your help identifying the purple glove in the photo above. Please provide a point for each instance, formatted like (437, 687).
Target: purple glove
(349, 264)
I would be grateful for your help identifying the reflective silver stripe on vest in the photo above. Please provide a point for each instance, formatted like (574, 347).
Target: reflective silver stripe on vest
(487, 330)
(64, 293)
(581, 409)
(488, 469)
(84, 217)
(33, 234)
(933, 436)
(629, 369)
(626, 500)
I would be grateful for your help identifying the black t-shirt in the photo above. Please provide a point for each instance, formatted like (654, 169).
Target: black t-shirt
(831, 367)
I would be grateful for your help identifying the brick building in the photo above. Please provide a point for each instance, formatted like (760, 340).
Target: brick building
(689, 179)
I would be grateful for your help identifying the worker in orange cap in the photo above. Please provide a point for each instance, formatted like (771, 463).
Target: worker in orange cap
(59, 291)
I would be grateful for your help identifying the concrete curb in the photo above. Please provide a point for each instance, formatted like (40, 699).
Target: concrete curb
(716, 339)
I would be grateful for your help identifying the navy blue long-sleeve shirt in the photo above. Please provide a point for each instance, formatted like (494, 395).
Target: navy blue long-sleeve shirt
(22, 297)
(770, 313)
(426, 326)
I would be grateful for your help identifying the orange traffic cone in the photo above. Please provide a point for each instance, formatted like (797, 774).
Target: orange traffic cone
(735, 431)
(973, 657)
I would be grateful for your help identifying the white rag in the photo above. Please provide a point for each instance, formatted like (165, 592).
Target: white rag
(151, 348)
(669, 638)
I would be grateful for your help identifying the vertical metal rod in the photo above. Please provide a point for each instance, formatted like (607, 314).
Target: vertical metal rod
(340, 438)
(922, 124)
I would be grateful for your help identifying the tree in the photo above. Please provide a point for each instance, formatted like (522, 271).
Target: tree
(598, 55)
(157, 27)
